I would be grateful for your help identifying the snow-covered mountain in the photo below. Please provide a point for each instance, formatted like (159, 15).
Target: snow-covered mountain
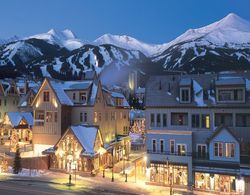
(221, 46)
(65, 38)
(128, 42)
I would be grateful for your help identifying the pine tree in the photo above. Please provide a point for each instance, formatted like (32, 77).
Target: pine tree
(17, 162)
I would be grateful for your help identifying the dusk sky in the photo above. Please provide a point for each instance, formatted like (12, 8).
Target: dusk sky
(150, 21)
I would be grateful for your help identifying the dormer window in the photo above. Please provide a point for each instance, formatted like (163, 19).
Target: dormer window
(83, 98)
(225, 95)
(185, 95)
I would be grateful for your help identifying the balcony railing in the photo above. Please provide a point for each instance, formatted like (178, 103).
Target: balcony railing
(169, 153)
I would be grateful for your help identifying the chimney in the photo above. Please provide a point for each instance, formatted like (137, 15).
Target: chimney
(26, 87)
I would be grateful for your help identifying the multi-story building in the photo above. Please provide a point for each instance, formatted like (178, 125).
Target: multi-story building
(198, 131)
(9, 97)
(59, 105)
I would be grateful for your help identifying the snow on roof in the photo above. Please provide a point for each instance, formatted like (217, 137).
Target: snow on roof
(93, 94)
(198, 94)
(60, 87)
(230, 81)
(140, 90)
(136, 114)
(16, 117)
(86, 136)
(185, 82)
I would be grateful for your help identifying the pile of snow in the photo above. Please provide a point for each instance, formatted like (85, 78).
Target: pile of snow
(198, 94)
(27, 172)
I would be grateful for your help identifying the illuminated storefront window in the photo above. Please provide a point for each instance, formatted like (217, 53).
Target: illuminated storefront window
(175, 174)
(215, 182)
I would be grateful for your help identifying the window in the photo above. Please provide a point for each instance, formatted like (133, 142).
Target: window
(124, 115)
(158, 120)
(179, 119)
(195, 120)
(218, 149)
(120, 115)
(230, 95)
(172, 146)
(100, 116)
(229, 150)
(181, 148)
(49, 117)
(85, 117)
(95, 117)
(243, 120)
(152, 120)
(81, 117)
(39, 117)
(162, 145)
(223, 119)
(154, 145)
(164, 120)
(74, 96)
(83, 98)
(205, 121)
(201, 150)
(5, 102)
(46, 96)
(185, 95)
(106, 116)
(55, 115)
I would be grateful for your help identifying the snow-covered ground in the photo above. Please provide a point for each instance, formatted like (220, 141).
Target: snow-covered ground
(25, 172)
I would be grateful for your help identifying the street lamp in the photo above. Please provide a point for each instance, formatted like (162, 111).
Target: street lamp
(169, 177)
(112, 179)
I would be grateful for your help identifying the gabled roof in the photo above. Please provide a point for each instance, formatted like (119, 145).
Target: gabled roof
(16, 117)
(218, 130)
(86, 136)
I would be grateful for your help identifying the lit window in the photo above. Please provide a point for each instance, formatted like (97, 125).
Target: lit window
(229, 150)
(181, 148)
(49, 117)
(95, 117)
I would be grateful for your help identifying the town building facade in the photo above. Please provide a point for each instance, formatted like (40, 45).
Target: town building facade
(61, 104)
(198, 131)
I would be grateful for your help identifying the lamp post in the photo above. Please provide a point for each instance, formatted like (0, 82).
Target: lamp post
(170, 178)
(112, 179)
(70, 173)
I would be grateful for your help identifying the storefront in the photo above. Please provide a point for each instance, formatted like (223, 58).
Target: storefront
(169, 174)
(80, 149)
(218, 182)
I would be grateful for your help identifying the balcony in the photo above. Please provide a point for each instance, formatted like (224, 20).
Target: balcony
(169, 153)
